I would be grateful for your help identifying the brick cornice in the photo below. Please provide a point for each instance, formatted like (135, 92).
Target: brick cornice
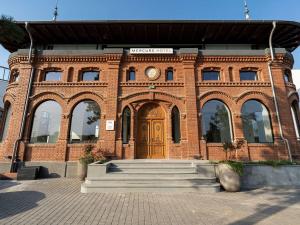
(152, 58)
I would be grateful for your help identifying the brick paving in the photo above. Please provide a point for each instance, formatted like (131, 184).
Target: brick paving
(59, 201)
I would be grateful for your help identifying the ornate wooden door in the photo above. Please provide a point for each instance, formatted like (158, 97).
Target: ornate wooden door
(151, 133)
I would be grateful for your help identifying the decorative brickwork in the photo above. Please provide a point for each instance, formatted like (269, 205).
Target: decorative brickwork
(113, 93)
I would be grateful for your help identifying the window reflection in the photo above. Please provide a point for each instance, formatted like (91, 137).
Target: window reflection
(52, 76)
(6, 123)
(256, 122)
(216, 126)
(90, 76)
(170, 74)
(176, 125)
(296, 121)
(211, 75)
(85, 122)
(126, 125)
(46, 123)
(248, 75)
(131, 74)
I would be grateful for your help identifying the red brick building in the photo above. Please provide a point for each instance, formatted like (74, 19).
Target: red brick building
(152, 89)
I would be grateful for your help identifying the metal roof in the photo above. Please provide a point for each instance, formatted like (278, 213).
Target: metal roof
(161, 32)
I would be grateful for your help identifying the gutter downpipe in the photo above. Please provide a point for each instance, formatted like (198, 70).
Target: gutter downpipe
(17, 142)
(286, 141)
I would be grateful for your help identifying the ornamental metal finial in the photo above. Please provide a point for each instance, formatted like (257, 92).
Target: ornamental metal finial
(55, 11)
(247, 11)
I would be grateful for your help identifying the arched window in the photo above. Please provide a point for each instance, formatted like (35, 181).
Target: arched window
(287, 76)
(256, 122)
(46, 123)
(6, 119)
(216, 123)
(295, 115)
(131, 74)
(85, 122)
(169, 74)
(126, 125)
(175, 125)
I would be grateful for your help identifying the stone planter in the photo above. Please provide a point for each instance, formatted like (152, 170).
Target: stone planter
(229, 179)
(82, 170)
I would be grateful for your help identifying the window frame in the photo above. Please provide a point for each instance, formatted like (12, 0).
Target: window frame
(33, 120)
(287, 73)
(270, 122)
(296, 119)
(128, 75)
(128, 131)
(88, 71)
(70, 140)
(173, 128)
(230, 121)
(50, 71)
(211, 70)
(170, 69)
(249, 69)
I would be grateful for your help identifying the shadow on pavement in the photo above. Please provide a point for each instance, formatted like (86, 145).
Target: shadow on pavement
(263, 211)
(8, 183)
(13, 203)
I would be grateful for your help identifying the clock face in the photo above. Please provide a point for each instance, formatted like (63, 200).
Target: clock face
(152, 73)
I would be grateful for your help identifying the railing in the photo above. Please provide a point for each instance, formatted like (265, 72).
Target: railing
(4, 73)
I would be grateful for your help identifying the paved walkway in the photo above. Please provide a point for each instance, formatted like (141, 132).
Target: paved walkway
(59, 201)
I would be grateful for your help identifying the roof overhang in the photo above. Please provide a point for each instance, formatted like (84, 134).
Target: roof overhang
(161, 32)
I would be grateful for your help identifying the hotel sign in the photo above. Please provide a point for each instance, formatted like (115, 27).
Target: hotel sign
(151, 51)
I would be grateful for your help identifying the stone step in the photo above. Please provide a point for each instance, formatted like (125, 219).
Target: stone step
(150, 180)
(161, 163)
(95, 188)
(165, 174)
(157, 169)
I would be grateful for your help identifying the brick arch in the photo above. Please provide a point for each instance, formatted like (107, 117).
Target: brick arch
(153, 96)
(48, 94)
(9, 97)
(293, 96)
(263, 98)
(217, 95)
(79, 97)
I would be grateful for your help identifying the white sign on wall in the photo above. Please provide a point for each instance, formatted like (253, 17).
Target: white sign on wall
(151, 51)
(110, 125)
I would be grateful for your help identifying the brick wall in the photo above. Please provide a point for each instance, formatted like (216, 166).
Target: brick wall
(113, 93)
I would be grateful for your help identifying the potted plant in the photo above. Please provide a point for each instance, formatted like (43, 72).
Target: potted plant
(231, 170)
(90, 155)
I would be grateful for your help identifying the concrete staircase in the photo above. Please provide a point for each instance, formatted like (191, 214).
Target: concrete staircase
(151, 176)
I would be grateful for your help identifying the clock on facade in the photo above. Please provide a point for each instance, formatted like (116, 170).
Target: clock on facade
(152, 73)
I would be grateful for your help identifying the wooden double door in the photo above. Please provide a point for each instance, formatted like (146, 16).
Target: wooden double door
(151, 132)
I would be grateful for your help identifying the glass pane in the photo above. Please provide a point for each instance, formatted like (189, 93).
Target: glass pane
(176, 125)
(126, 125)
(295, 119)
(170, 75)
(90, 76)
(85, 122)
(131, 75)
(52, 76)
(216, 125)
(211, 75)
(256, 122)
(248, 75)
(46, 123)
(286, 78)
(6, 124)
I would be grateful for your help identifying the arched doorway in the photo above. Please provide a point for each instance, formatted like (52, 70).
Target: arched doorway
(151, 132)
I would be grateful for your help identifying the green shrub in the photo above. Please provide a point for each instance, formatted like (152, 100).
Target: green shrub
(237, 166)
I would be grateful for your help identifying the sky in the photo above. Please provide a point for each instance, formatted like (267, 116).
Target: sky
(27, 10)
